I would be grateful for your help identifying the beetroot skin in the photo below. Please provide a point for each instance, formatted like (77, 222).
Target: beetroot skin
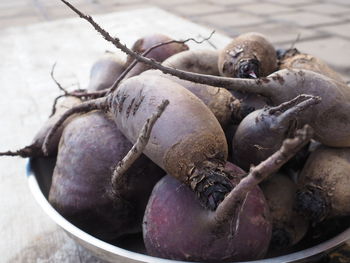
(176, 227)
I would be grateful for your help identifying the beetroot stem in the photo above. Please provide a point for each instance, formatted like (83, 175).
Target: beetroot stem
(257, 174)
(288, 104)
(28, 151)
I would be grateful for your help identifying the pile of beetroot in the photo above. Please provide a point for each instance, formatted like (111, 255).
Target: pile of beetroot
(217, 156)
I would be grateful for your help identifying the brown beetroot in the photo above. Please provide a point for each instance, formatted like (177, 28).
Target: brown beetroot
(323, 185)
(158, 54)
(105, 71)
(197, 61)
(187, 140)
(262, 132)
(90, 147)
(288, 227)
(296, 60)
(248, 55)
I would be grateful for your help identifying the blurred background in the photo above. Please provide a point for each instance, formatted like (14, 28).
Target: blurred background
(318, 27)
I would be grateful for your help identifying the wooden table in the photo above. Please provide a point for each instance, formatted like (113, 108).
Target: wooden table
(27, 91)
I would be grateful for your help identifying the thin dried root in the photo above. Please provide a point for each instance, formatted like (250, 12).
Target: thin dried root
(28, 151)
(65, 92)
(85, 95)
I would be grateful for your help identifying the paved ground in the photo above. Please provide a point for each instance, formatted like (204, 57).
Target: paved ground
(321, 27)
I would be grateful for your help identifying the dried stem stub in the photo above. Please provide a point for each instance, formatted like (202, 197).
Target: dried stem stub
(260, 172)
(137, 149)
(28, 151)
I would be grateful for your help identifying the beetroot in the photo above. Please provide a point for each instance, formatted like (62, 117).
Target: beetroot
(288, 227)
(323, 185)
(201, 61)
(248, 55)
(262, 132)
(187, 141)
(90, 147)
(177, 227)
(294, 59)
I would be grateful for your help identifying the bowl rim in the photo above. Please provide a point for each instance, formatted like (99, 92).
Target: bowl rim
(93, 241)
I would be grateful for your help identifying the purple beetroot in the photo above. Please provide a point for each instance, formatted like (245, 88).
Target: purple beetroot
(90, 147)
(262, 132)
(177, 227)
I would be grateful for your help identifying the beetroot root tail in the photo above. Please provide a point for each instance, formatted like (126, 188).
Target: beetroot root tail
(28, 151)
